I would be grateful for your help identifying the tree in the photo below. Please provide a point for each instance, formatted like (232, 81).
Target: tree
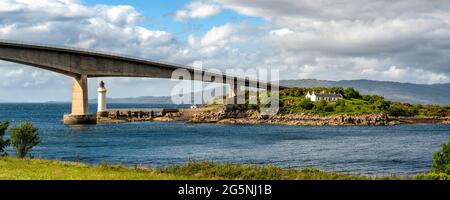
(3, 142)
(293, 91)
(24, 138)
(330, 108)
(351, 93)
(306, 104)
(320, 106)
(372, 98)
(441, 159)
(397, 110)
(438, 111)
(337, 90)
(383, 105)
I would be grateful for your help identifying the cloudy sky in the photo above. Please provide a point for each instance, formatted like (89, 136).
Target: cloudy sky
(403, 40)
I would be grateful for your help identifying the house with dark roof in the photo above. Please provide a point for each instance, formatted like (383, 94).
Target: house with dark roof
(324, 96)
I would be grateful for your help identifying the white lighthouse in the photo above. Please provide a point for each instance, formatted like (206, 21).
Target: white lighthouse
(101, 109)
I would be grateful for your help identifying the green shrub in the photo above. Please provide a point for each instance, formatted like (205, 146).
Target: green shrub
(399, 109)
(252, 172)
(293, 92)
(306, 104)
(3, 142)
(330, 108)
(432, 176)
(382, 105)
(24, 138)
(438, 111)
(311, 170)
(441, 159)
(351, 93)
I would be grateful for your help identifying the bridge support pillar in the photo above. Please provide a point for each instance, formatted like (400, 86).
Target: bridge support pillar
(233, 100)
(233, 93)
(79, 113)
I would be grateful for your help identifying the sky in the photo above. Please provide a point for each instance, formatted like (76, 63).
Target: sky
(403, 40)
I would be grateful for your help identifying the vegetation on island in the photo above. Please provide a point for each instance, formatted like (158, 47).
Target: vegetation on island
(293, 101)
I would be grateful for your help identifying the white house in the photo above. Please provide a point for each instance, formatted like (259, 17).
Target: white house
(324, 96)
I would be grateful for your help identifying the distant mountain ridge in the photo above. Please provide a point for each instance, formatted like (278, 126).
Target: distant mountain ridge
(395, 91)
(143, 99)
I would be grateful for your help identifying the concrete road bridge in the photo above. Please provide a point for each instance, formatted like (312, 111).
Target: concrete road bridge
(81, 64)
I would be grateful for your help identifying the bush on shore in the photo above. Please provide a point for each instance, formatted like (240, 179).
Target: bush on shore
(3, 142)
(441, 159)
(24, 138)
(432, 176)
(250, 172)
(440, 169)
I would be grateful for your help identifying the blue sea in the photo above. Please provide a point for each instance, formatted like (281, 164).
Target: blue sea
(383, 150)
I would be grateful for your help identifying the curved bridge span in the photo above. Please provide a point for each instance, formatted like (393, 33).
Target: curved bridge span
(82, 64)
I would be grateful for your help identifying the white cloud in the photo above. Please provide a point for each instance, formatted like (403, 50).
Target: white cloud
(217, 35)
(412, 35)
(119, 15)
(406, 41)
(281, 32)
(197, 10)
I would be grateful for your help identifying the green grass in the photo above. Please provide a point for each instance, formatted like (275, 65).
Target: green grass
(38, 169)
(247, 172)
(432, 176)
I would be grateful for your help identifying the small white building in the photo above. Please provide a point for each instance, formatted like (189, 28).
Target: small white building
(323, 96)
(101, 108)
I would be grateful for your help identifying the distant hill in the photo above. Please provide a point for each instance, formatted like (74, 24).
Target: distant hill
(144, 99)
(395, 91)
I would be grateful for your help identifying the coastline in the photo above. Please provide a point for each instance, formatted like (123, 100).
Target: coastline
(316, 120)
(221, 116)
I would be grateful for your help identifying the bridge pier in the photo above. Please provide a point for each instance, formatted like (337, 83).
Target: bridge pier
(234, 95)
(80, 113)
(233, 92)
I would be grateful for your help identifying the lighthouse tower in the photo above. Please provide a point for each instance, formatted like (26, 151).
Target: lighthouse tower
(101, 110)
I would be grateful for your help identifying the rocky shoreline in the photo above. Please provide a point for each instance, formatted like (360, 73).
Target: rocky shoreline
(222, 116)
(250, 117)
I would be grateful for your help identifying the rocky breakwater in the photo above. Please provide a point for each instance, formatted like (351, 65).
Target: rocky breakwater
(422, 120)
(334, 120)
(252, 117)
(223, 116)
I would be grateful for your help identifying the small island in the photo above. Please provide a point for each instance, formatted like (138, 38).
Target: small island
(317, 106)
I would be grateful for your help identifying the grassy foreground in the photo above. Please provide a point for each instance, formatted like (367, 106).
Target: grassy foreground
(38, 169)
